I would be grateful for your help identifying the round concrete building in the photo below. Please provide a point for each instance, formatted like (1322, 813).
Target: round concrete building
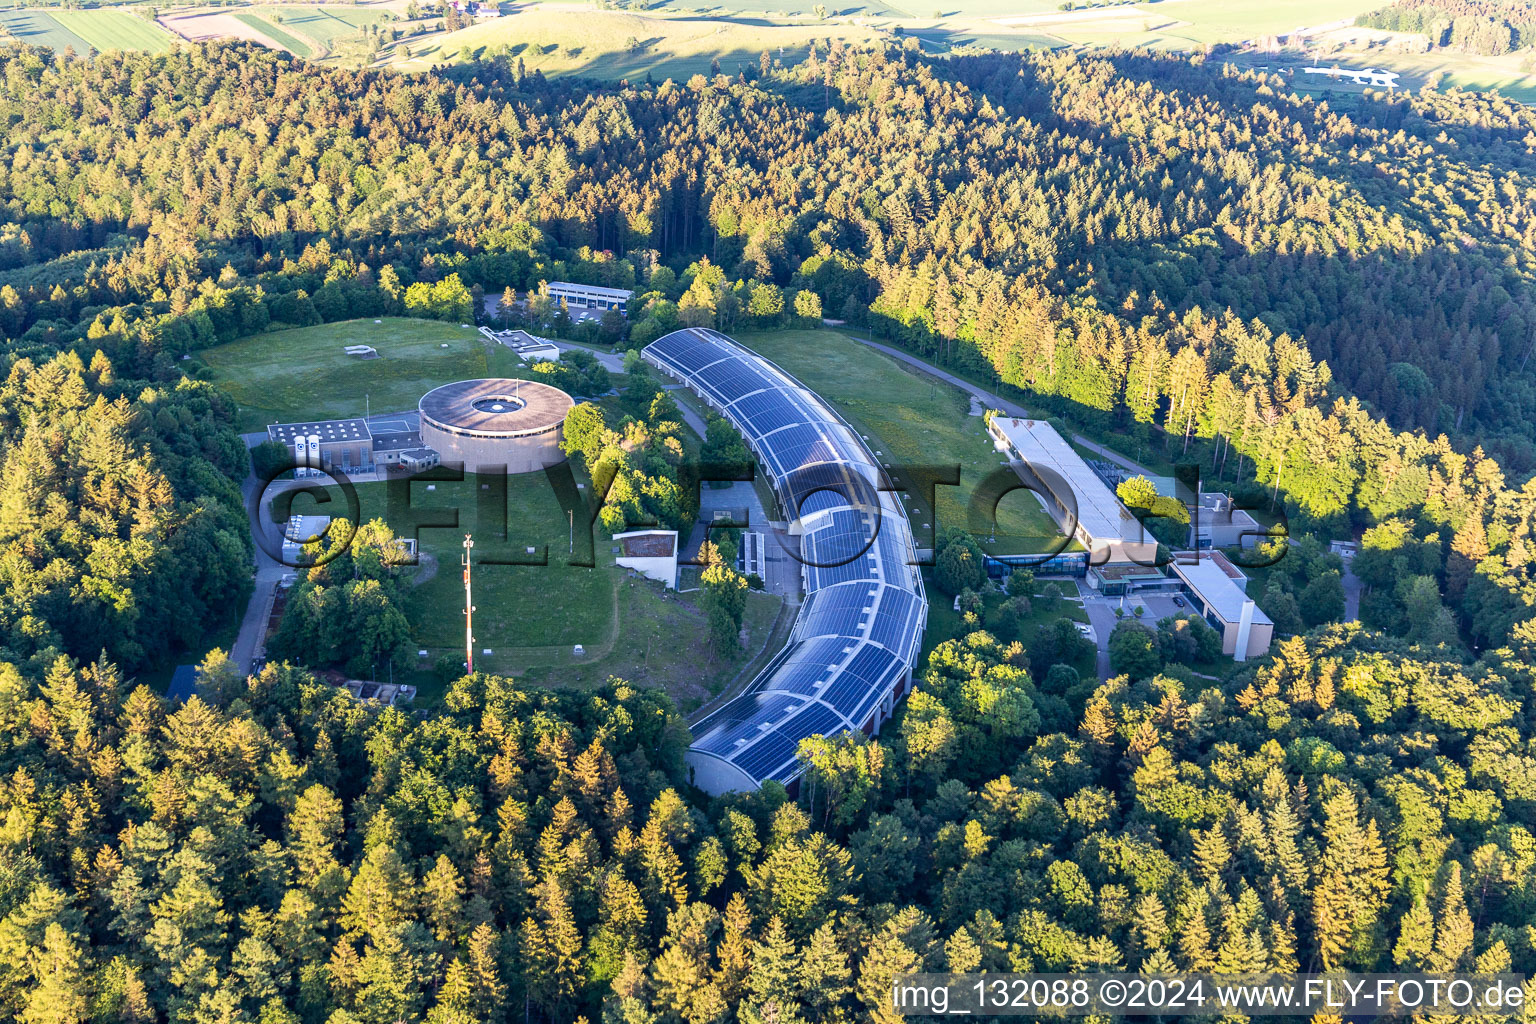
(495, 421)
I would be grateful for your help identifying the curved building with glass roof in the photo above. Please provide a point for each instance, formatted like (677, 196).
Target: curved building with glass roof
(855, 643)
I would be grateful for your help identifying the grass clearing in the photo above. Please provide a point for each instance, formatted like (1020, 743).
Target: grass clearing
(530, 616)
(1187, 24)
(324, 25)
(913, 420)
(944, 623)
(115, 30)
(303, 374)
(1359, 47)
(37, 27)
(287, 40)
(613, 44)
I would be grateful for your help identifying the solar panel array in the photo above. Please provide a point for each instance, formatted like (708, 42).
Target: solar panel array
(860, 628)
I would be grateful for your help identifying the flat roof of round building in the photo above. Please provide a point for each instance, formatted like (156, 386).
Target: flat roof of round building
(495, 406)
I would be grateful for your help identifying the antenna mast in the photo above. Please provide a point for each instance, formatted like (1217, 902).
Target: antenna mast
(469, 610)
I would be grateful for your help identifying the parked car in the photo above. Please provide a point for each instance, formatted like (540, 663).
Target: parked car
(1178, 600)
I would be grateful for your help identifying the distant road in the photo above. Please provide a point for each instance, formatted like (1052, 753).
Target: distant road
(996, 401)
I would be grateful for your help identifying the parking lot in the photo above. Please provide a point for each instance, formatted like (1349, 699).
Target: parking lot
(781, 570)
(1161, 606)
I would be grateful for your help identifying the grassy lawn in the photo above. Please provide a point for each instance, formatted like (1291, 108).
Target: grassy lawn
(287, 40)
(303, 374)
(662, 640)
(1152, 456)
(597, 43)
(520, 605)
(530, 616)
(115, 30)
(914, 420)
(944, 623)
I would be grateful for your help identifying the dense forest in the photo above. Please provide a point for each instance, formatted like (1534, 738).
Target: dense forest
(281, 853)
(122, 529)
(1487, 27)
(1327, 302)
(1129, 197)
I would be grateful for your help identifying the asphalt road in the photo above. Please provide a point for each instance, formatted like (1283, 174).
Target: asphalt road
(1101, 615)
(693, 419)
(267, 572)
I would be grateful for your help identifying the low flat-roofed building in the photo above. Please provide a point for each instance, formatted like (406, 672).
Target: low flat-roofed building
(530, 348)
(1214, 523)
(329, 444)
(651, 553)
(1217, 589)
(388, 447)
(351, 445)
(1124, 577)
(417, 459)
(1090, 513)
(590, 296)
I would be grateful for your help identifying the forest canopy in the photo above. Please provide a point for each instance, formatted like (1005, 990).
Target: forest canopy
(1330, 302)
(288, 854)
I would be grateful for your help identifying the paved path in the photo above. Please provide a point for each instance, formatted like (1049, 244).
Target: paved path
(1115, 457)
(1101, 614)
(611, 361)
(690, 417)
(1352, 589)
(268, 572)
(996, 401)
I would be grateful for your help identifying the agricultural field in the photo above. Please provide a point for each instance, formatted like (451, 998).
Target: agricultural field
(677, 40)
(912, 420)
(613, 44)
(310, 31)
(37, 27)
(680, 38)
(108, 29)
(1179, 24)
(199, 25)
(302, 373)
(325, 26)
(284, 39)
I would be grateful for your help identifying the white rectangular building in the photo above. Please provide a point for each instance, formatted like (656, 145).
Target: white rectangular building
(651, 553)
(1081, 503)
(1216, 589)
(589, 296)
